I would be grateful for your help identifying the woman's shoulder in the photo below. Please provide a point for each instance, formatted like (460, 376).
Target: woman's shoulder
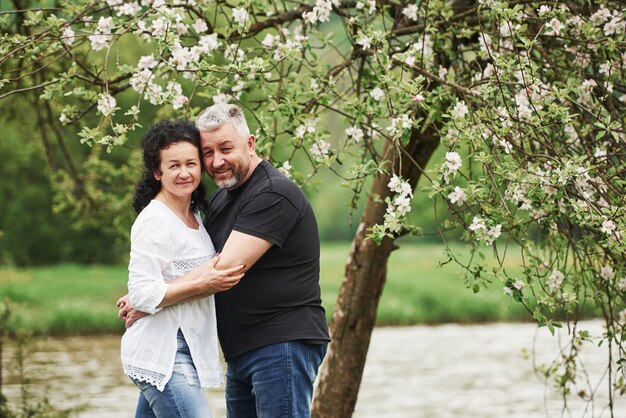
(154, 217)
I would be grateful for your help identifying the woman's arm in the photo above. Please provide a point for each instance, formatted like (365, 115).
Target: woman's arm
(198, 283)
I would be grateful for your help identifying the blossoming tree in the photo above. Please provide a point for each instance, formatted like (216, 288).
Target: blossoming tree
(526, 97)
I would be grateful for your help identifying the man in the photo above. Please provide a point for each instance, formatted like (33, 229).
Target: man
(271, 325)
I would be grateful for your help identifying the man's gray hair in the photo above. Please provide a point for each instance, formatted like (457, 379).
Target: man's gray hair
(216, 116)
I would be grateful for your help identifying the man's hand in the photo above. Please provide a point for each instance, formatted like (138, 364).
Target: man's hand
(127, 313)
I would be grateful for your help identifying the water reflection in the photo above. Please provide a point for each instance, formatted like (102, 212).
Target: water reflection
(447, 371)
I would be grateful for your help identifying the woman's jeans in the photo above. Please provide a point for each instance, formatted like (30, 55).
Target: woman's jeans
(182, 397)
(275, 381)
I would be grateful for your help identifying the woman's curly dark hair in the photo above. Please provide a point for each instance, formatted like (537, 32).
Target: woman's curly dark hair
(158, 137)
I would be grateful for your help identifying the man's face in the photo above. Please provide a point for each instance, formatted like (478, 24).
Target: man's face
(227, 156)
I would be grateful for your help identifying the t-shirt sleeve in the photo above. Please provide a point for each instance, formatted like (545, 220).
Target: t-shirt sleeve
(150, 252)
(269, 216)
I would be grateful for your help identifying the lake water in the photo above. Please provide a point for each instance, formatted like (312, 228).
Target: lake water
(445, 371)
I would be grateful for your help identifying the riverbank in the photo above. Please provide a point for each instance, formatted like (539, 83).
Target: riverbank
(443, 371)
(80, 300)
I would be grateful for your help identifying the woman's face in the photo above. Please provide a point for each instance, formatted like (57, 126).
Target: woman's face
(180, 169)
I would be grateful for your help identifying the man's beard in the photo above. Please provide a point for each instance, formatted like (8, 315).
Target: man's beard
(228, 183)
(234, 181)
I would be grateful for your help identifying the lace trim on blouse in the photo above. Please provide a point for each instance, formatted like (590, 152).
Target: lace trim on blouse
(144, 375)
(189, 264)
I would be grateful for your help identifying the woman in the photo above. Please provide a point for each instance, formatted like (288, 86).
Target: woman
(172, 353)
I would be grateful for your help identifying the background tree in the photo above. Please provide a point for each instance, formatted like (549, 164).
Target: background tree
(525, 100)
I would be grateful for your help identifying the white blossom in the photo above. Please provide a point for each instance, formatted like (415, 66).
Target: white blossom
(355, 133)
(494, 232)
(405, 189)
(285, 169)
(68, 36)
(240, 15)
(235, 53)
(159, 27)
(600, 153)
(601, 16)
(423, 46)
(395, 184)
(154, 94)
(555, 281)
(179, 101)
(607, 273)
(410, 11)
(270, 41)
(208, 43)
(485, 42)
(556, 26)
(457, 196)
(443, 72)
(99, 41)
(129, 9)
(543, 10)
(519, 285)
(106, 104)
(147, 62)
(605, 68)
(453, 161)
(378, 94)
(320, 149)
(105, 25)
(139, 80)
(220, 98)
(307, 127)
(64, 118)
(320, 13)
(200, 26)
(181, 57)
(615, 26)
(571, 133)
(364, 41)
(402, 204)
(608, 227)
(478, 223)
(460, 110)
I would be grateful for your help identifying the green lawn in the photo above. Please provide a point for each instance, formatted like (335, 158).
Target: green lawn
(419, 291)
(74, 299)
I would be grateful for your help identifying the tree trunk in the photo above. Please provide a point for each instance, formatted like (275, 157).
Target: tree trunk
(366, 271)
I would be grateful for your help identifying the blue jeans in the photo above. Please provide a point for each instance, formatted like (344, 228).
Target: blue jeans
(275, 381)
(182, 397)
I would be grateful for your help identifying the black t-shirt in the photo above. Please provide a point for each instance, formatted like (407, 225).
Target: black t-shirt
(279, 298)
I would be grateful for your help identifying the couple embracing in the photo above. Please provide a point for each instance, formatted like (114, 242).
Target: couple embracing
(248, 272)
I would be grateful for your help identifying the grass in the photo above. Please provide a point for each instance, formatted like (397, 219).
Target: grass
(78, 300)
(419, 291)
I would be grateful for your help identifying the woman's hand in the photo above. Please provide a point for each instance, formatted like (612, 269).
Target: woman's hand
(127, 313)
(212, 280)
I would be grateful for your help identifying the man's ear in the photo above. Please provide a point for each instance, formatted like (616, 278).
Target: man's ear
(252, 143)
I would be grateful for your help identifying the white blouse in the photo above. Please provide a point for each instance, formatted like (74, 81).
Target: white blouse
(162, 249)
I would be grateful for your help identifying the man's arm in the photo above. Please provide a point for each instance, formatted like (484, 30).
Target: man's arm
(242, 249)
